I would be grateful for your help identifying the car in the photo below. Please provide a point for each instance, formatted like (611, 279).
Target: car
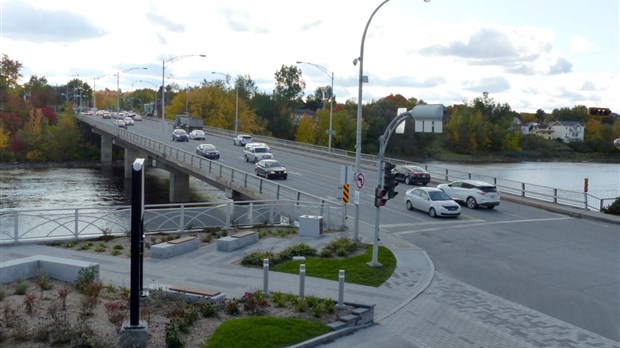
(257, 153)
(474, 193)
(197, 134)
(208, 150)
(242, 139)
(270, 168)
(137, 117)
(410, 174)
(106, 115)
(431, 200)
(128, 121)
(179, 135)
(120, 124)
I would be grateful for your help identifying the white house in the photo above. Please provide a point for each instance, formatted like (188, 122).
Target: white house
(568, 131)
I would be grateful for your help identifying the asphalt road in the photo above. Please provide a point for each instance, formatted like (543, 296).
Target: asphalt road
(564, 267)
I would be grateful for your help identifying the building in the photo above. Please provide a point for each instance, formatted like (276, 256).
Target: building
(568, 131)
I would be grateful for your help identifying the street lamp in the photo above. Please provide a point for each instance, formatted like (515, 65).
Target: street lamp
(236, 99)
(331, 100)
(118, 88)
(163, 81)
(95, 90)
(67, 94)
(358, 136)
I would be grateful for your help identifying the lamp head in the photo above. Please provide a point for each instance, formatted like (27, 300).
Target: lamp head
(355, 61)
(297, 62)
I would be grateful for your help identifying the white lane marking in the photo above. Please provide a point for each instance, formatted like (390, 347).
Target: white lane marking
(483, 224)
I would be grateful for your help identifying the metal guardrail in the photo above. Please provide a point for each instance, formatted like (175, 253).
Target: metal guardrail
(19, 226)
(544, 193)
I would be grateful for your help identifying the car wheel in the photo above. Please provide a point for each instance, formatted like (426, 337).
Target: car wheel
(432, 212)
(408, 181)
(409, 206)
(284, 177)
(424, 183)
(491, 206)
(246, 158)
(471, 202)
(257, 173)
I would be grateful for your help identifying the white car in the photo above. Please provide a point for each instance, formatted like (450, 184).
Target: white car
(431, 200)
(473, 193)
(242, 139)
(197, 134)
(128, 121)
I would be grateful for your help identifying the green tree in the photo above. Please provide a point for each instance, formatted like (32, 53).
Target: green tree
(305, 130)
(289, 85)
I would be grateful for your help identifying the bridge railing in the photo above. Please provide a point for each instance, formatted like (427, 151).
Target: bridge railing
(19, 226)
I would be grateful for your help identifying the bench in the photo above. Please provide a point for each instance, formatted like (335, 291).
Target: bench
(54, 267)
(191, 294)
(237, 240)
(174, 247)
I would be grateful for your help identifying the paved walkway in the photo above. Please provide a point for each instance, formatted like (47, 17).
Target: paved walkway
(416, 307)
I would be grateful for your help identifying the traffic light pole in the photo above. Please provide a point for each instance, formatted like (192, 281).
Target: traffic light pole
(419, 112)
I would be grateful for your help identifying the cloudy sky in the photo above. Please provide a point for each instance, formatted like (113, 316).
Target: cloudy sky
(530, 54)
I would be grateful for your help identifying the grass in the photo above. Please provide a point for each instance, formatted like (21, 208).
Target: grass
(265, 332)
(357, 268)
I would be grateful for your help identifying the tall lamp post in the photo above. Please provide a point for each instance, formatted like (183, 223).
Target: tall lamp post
(163, 82)
(118, 91)
(236, 99)
(331, 102)
(95, 90)
(358, 137)
(67, 94)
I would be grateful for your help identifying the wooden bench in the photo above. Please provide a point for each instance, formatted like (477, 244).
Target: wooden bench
(174, 247)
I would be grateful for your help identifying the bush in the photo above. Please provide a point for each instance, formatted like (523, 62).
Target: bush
(340, 247)
(296, 250)
(613, 209)
(256, 258)
(86, 277)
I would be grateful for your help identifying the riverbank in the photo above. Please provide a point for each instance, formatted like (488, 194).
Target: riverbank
(49, 165)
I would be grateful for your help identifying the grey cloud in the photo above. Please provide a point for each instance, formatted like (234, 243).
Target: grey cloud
(165, 22)
(311, 25)
(588, 86)
(561, 66)
(234, 22)
(485, 45)
(23, 21)
(496, 84)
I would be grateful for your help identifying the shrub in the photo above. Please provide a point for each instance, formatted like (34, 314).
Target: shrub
(340, 247)
(209, 309)
(29, 301)
(2, 293)
(62, 294)
(301, 249)
(256, 258)
(613, 209)
(116, 313)
(43, 281)
(101, 247)
(254, 303)
(231, 306)
(86, 245)
(329, 305)
(85, 277)
(21, 287)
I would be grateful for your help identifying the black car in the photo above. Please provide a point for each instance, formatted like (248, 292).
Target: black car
(270, 168)
(208, 150)
(179, 135)
(410, 174)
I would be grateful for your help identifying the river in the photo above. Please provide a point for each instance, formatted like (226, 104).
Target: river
(71, 187)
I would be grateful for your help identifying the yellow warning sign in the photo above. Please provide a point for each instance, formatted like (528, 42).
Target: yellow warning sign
(345, 193)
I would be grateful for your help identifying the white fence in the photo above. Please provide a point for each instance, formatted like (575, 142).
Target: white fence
(37, 225)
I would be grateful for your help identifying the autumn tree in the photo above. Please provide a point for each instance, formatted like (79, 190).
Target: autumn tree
(305, 130)
(289, 85)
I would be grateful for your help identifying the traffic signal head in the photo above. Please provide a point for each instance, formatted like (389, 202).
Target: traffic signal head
(380, 199)
(599, 111)
(389, 180)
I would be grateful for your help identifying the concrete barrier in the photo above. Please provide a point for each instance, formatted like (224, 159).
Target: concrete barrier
(237, 241)
(174, 247)
(54, 267)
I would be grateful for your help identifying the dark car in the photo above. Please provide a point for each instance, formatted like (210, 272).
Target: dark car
(410, 174)
(208, 150)
(179, 135)
(270, 168)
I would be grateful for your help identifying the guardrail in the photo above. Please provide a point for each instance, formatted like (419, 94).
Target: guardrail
(19, 226)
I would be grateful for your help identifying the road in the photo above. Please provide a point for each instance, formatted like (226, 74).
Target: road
(561, 266)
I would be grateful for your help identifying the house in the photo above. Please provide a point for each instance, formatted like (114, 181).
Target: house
(568, 131)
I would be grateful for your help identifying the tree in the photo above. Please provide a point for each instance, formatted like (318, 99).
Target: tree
(305, 130)
(289, 85)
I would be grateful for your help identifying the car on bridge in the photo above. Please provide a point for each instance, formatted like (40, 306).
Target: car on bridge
(179, 134)
(120, 124)
(410, 174)
(474, 193)
(208, 150)
(433, 201)
(242, 139)
(270, 168)
(197, 134)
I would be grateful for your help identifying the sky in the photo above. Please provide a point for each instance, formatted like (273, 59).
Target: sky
(529, 54)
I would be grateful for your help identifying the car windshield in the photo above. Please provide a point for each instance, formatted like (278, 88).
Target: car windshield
(272, 164)
(261, 150)
(439, 196)
(208, 147)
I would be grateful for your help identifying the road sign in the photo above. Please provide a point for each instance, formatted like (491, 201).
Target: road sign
(359, 180)
(345, 193)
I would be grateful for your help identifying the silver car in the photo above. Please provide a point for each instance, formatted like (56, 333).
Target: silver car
(473, 193)
(431, 200)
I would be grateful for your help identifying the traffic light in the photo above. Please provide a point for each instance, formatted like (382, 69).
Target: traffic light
(389, 180)
(599, 111)
(379, 197)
